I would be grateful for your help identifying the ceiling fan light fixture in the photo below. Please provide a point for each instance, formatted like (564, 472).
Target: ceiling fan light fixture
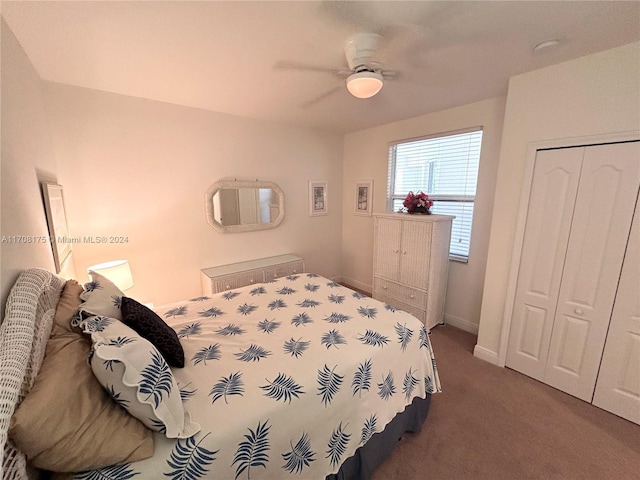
(364, 84)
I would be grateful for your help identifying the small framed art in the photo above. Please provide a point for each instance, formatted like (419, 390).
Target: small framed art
(57, 223)
(317, 198)
(363, 197)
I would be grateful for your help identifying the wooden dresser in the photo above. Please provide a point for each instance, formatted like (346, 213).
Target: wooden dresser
(235, 275)
(411, 263)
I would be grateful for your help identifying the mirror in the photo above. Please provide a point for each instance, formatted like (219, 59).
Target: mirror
(242, 205)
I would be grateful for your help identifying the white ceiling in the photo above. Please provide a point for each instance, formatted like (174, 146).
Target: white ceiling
(221, 56)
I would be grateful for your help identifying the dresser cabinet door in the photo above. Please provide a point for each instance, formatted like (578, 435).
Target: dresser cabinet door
(387, 254)
(414, 253)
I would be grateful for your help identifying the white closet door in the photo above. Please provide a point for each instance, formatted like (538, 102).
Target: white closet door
(618, 385)
(599, 232)
(551, 201)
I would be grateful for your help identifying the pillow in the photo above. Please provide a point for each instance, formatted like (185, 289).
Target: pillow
(66, 309)
(150, 326)
(68, 423)
(136, 375)
(101, 297)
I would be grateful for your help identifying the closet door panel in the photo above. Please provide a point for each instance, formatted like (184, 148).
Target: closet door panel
(618, 384)
(603, 211)
(551, 203)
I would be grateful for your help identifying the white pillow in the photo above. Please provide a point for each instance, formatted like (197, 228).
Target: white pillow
(136, 375)
(101, 297)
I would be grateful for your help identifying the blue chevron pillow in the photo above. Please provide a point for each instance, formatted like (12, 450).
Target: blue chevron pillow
(138, 377)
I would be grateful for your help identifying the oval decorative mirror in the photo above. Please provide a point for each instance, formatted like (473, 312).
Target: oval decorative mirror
(233, 205)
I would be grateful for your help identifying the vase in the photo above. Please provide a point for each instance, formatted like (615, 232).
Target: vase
(422, 211)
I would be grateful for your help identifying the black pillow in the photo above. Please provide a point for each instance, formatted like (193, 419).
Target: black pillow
(150, 326)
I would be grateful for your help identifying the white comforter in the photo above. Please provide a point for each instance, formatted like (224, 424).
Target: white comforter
(287, 379)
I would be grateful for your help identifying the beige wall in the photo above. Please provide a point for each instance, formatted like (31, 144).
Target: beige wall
(139, 169)
(26, 161)
(594, 95)
(366, 157)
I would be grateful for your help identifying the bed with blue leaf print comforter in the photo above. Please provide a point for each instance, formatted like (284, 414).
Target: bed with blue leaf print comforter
(287, 379)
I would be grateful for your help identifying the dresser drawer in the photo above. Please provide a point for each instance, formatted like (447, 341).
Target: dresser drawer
(236, 275)
(283, 270)
(236, 280)
(420, 314)
(407, 295)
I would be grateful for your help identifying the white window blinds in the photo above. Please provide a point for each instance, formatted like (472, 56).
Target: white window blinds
(446, 168)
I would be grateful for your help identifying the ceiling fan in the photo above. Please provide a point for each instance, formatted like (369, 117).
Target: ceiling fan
(365, 76)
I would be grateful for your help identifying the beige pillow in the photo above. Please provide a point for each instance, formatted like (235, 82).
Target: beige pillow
(68, 422)
(67, 307)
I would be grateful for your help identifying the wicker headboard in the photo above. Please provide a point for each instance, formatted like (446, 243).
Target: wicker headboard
(24, 333)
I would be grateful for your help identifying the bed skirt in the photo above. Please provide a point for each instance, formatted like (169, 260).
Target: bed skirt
(362, 464)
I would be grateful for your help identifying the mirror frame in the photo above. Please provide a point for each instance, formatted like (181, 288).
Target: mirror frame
(234, 183)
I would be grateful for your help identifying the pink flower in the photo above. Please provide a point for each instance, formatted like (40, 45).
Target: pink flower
(417, 202)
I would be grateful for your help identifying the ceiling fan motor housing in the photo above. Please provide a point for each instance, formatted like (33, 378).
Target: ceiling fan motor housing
(359, 49)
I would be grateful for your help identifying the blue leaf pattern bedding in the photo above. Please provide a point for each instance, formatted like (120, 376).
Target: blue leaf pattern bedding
(286, 379)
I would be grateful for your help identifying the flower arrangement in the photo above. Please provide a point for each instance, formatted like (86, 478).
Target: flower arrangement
(417, 203)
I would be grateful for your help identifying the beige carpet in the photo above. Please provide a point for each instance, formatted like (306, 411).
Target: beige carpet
(494, 423)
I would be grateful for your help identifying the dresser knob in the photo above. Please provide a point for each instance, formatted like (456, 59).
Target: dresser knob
(252, 281)
(395, 251)
(412, 296)
(384, 287)
(404, 252)
(228, 287)
(275, 275)
(578, 311)
(295, 270)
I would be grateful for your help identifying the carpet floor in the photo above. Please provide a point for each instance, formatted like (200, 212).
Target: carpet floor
(494, 423)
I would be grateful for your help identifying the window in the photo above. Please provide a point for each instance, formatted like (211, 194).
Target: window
(446, 168)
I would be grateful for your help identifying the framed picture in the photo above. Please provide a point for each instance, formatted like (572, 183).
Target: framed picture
(317, 198)
(364, 197)
(57, 223)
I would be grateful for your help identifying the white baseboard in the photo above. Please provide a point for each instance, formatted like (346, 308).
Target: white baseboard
(461, 324)
(485, 354)
(355, 283)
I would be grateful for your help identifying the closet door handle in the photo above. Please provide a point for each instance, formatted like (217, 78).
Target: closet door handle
(404, 252)
(578, 311)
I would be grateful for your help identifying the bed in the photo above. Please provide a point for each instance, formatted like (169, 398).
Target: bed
(299, 377)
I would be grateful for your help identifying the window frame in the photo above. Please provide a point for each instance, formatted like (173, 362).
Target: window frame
(391, 177)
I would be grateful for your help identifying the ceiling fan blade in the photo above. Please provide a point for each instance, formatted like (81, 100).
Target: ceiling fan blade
(388, 74)
(322, 96)
(287, 65)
